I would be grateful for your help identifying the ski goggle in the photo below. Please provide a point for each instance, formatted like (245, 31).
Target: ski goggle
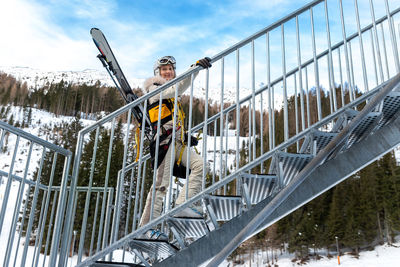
(166, 60)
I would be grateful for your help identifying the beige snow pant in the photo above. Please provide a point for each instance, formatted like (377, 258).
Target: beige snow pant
(163, 179)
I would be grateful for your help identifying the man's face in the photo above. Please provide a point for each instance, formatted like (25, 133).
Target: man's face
(167, 72)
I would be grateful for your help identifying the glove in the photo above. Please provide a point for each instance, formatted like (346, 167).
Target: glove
(204, 62)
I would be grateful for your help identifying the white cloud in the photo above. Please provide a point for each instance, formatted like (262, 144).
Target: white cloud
(29, 38)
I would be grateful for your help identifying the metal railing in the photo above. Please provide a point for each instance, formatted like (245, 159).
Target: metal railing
(309, 68)
(32, 205)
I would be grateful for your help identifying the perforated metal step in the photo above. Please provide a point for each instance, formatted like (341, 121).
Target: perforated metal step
(225, 207)
(316, 141)
(189, 227)
(390, 107)
(155, 249)
(259, 186)
(290, 164)
(364, 128)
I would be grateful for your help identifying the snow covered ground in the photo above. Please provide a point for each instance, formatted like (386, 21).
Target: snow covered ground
(381, 256)
(385, 255)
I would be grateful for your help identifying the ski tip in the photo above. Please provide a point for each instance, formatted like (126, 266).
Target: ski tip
(93, 29)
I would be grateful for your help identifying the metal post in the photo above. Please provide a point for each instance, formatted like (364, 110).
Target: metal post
(316, 69)
(330, 63)
(237, 117)
(384, 52)
(345, 50)
(303, 125)
(86, 209)
(285, 103)
(205, 132)
(378, 51)
(364, 69)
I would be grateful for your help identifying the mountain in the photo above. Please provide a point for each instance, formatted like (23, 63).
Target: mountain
(36, 78)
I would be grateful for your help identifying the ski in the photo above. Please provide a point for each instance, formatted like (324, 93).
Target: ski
(110, 63)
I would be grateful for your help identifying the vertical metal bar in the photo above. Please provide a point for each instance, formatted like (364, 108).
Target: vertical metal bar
(237, 116)
(221, 125)
(250, 132)
(345, 50)
(17, 207)
(49, 189)
(22, 223)
(374, 58)
(3, 134)
(72, 232)
(86, 209)
(205, 132)
(33, 207)
(226, 148)
(8, 185)
(215, 149)
(173, 151)
(155, 173)
(41, 221)
(330, 91)
(128, 212)
(142, 191)
(103, 202)
(307, 101)
(253, 97)
(261, 132)
(364, 69)
(117, 206)
(285, 102)
(330, 62)
(141, 149)
(57, 232)
(303, 124)
(49, 228)
(108, 218)
(392, 37)
(95, 223)
(270, 110)
(352, 70)
(341, 77)
(316, 70)
(384, 51)
(273, 118)
(69, 218)
(189, 137)
(296, 112)
(378, 51)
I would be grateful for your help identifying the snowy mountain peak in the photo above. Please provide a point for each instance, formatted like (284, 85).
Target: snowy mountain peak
(36, 78)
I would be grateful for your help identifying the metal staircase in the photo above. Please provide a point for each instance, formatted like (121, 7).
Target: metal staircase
(312, 146)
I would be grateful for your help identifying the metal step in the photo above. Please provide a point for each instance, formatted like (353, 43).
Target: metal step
(189, 227)
(316, 141)
(114, 264)
(390, 107)
(259, 186)
(289, 165)
(364, 128)
(225, 207)
(155, 249)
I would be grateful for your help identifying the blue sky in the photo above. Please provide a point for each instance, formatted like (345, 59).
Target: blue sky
(54, 34)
